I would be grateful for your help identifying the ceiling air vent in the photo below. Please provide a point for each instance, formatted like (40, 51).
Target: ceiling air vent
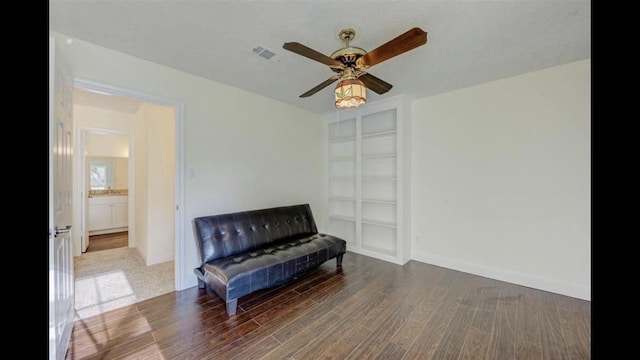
(265, 54)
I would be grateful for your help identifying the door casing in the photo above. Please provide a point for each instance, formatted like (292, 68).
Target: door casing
(178, 106)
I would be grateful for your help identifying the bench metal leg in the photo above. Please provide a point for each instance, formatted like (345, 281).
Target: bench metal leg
(339, 260)
(232, 305)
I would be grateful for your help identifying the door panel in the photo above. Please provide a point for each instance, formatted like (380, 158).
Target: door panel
(61, 279)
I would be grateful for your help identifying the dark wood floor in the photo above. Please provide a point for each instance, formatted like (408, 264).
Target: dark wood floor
(108, 241)
(370, 309)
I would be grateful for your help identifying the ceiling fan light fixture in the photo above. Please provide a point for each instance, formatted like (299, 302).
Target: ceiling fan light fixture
(351, 62)
(350, 94)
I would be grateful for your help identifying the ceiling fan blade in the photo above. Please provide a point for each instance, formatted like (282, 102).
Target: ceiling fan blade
(379, 86)
(403, 43)
(321, 86)
(312, 54)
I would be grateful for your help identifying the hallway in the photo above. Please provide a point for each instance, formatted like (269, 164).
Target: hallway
(111, 275)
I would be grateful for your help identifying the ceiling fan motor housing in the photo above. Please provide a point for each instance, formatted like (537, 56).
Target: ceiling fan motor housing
(348, 54)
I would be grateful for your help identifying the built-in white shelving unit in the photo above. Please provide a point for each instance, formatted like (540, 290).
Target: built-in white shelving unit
(365, 180)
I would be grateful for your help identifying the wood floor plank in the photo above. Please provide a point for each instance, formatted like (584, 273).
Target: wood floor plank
(125, 331)
(335, 344)
(575, 326)
(343, 344)
(409, 332)
(273, 309)
(203, 350)
(429, 338)
(189, 325)
(475, 343)
(391, 351)
(257, 351)
(528, 341)
(114, 347)
(379, 340)
(298, 341)
(458, 326)
(268, 326)
(368, 309)
(145, 352)
(179, 344)
(303, 323)
(435, 326)
(554, 345)
(108, 241)
(503, 337)
(105, 320)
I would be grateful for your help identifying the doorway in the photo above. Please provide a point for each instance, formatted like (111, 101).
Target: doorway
(174, 204)
(106, 176)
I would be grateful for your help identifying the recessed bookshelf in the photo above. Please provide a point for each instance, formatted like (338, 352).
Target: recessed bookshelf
(364, 197)
(344, 228)
(379, 238)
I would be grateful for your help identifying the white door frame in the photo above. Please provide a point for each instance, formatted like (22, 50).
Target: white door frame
(178, 106)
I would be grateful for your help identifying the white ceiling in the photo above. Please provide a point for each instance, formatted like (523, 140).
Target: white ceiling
(469, 42)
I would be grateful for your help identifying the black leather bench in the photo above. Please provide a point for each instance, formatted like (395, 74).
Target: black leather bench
(247, 251)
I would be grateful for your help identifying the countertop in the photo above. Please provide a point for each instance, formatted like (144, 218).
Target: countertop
(109, 192)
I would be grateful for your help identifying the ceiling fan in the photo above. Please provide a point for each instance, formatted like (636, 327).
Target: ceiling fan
(349, 63)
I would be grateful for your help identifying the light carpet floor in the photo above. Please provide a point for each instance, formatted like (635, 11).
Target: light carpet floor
(109, 279)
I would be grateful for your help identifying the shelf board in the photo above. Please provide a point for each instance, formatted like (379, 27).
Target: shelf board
(376, 201)
(378, 250)
(342, 218)
(342, 198)
(379, 134)
(380, 223)
(342, 138)
(379, 156)
(378, 178)
(342, 178)
(343, 158)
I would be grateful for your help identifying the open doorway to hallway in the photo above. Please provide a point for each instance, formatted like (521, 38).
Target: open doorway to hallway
(122, 275)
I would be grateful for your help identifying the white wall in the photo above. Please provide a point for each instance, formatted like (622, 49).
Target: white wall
(141, 180)
(155, 147)
(106, 145)
(241, 151)
(121, 173)
(501, 179)
(93, 117)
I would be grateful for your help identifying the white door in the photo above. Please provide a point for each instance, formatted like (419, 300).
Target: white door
(61, 280)
(84, 203)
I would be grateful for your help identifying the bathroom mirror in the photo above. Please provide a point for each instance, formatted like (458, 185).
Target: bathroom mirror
(108, 172)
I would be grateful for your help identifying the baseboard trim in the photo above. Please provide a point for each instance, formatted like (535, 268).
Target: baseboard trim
(536, 282)
(160, 259)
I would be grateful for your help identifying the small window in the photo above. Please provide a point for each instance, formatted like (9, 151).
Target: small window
(101, 174)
